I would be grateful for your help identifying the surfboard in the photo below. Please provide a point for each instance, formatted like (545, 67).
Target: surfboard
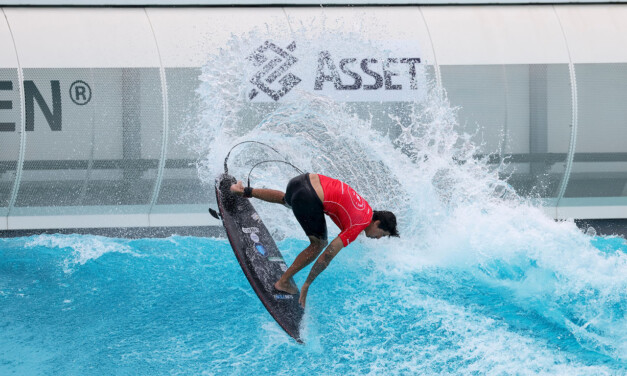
(258, 255)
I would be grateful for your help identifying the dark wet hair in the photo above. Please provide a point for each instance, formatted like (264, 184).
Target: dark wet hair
(387, 221)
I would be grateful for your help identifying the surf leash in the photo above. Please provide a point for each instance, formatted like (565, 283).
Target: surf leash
(226, 169)
(271, 161)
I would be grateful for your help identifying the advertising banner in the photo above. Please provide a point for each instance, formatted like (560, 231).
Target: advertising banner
(285, 67)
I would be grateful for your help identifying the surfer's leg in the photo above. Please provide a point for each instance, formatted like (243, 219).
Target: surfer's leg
(303, 259)
(309, 212)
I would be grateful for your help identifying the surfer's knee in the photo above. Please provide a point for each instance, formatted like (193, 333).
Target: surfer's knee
(318, 243)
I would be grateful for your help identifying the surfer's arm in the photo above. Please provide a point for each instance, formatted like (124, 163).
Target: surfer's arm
(321, 263)
(269, 195)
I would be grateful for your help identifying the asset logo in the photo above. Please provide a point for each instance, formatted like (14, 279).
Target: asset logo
(250, 230)
(380, 72)
(274, 62)
(361, 76)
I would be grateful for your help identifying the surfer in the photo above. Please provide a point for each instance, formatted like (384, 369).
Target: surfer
(311, 196)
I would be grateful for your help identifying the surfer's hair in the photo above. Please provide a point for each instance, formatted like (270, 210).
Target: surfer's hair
(387, 221)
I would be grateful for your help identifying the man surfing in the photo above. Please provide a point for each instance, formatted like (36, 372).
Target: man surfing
(311, 196)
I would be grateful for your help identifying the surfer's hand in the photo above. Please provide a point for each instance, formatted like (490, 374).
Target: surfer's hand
(238, 188)
(303, 294)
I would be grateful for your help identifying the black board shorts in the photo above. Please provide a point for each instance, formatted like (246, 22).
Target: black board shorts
(306, 205)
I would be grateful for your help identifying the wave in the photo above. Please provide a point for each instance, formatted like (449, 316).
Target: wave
(83, 248)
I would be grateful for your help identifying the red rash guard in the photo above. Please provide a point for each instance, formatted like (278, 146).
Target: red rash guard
(350, 212)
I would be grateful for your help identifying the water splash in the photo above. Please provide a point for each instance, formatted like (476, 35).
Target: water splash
(454, 210)
(83, 249)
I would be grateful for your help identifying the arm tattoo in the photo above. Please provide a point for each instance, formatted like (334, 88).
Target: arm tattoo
(321, 263)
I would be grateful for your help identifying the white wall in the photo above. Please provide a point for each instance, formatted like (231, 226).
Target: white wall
(503, 41)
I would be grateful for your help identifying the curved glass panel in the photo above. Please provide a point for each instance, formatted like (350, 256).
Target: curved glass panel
(10, 123)
(180, 184)
(599, 173)
(93, 138)
(520, 114)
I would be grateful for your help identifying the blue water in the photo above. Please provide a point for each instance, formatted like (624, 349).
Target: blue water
(480, 282)
(87, 305)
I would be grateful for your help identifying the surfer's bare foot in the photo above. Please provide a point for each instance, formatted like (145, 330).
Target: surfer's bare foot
(286, 287)
(238, 188)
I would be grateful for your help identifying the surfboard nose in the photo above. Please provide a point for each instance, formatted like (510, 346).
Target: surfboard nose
(228, 198)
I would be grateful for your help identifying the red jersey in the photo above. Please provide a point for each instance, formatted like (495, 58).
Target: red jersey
(350, 212)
